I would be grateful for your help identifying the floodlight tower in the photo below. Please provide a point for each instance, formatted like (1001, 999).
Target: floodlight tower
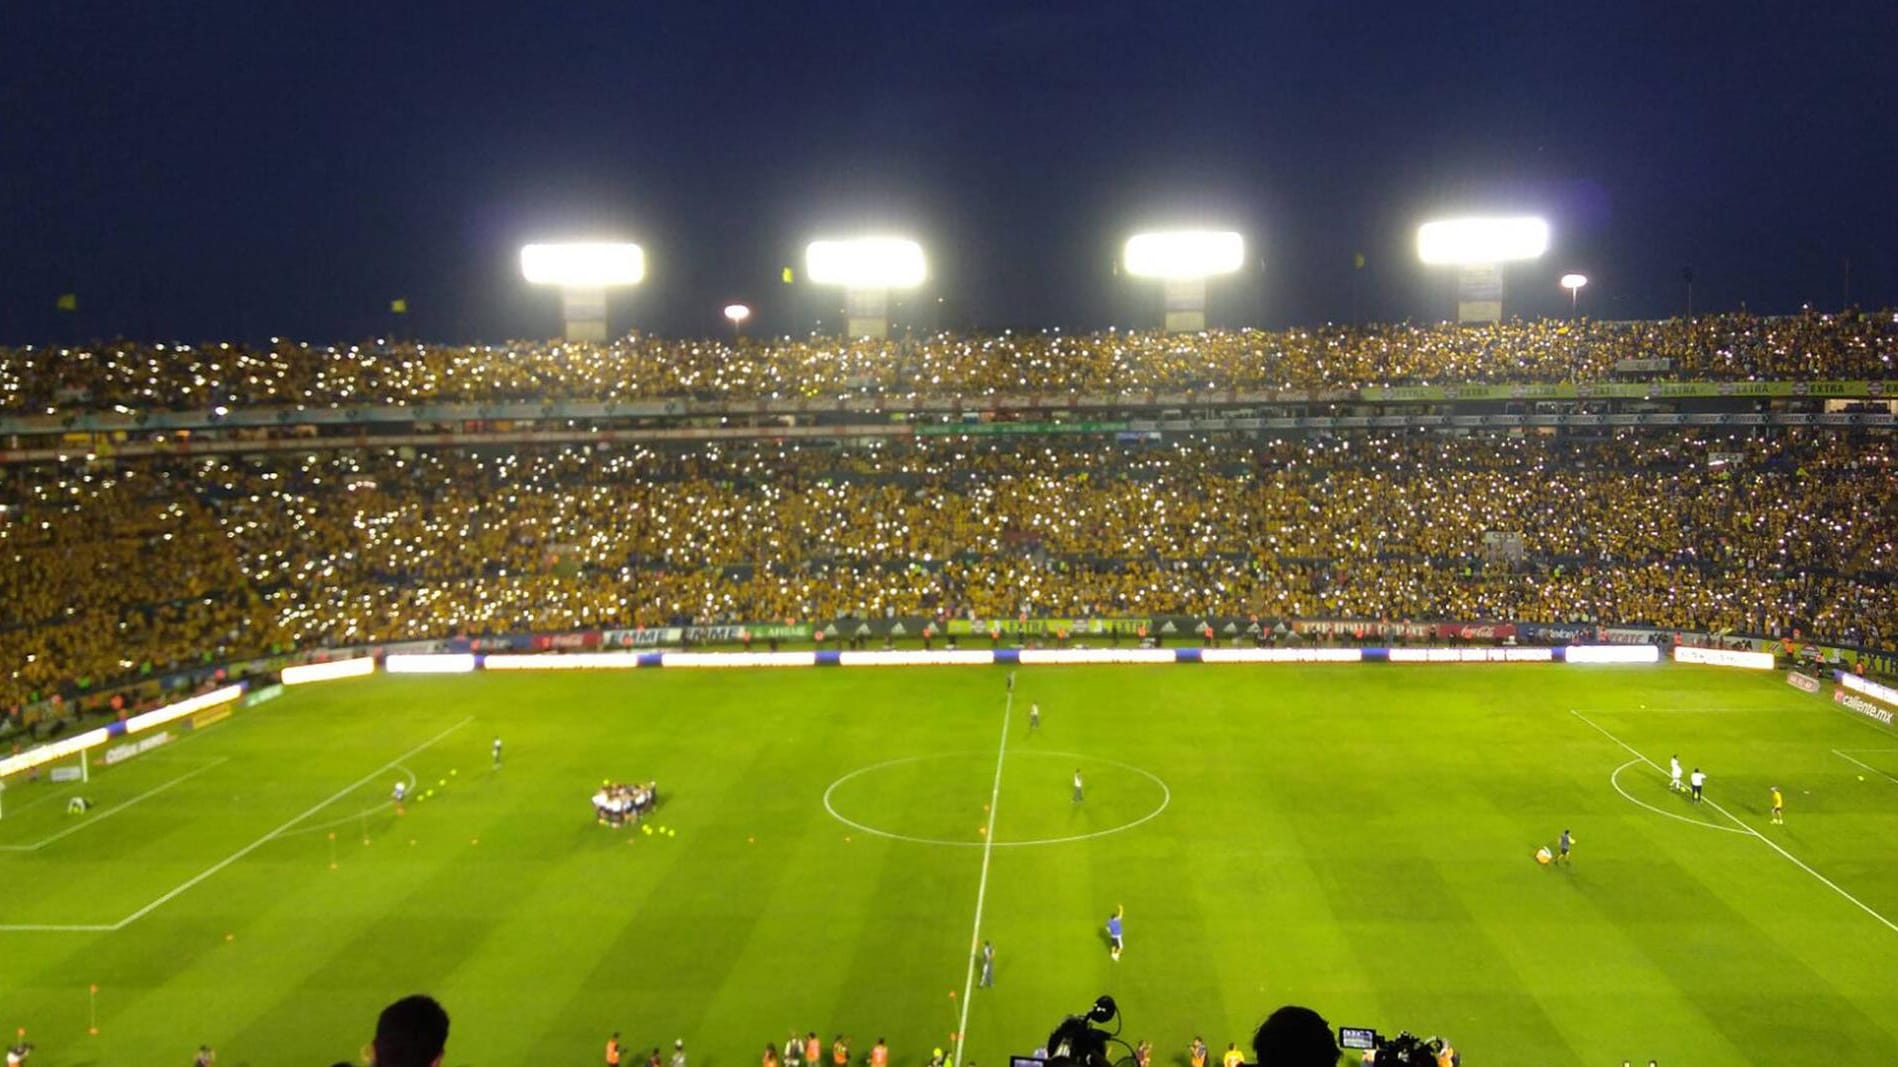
(584, 271)
(1573, 283)
(1182, 260)
(1480, 247)
(866, 268)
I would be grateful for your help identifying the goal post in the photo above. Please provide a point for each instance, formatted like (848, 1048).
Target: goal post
(68, 759)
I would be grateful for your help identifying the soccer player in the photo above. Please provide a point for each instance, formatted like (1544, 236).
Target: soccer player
(678, 1049)
(1779, 808)
(1196, 1052)
(653, 1060)
(1233, 1057)
(497, 752)
(988, 964)
(1034, 717)
(1114, 935)
(1562, 846)
(1077, 785)
(1696, 780)
(398, 795)
(614, 1050)
(1674, 773)
(1011, 681)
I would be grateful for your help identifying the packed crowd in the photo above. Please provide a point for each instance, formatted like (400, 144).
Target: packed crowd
(110, 570)
(138, 377)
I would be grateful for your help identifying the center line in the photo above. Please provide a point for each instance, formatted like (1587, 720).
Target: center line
(982, 887)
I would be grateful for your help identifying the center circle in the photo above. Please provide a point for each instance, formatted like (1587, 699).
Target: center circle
(963, 782)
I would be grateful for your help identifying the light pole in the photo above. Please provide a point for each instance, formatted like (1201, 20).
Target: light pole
(1182, 260)
(737, 314)
(1573, 283)
(1479, 248)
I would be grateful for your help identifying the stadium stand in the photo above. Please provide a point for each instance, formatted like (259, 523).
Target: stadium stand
(147, 377)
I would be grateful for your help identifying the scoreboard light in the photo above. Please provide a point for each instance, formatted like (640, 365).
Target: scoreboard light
(584, 265)
(1481, 241)
(866, 263)
(1183, 254)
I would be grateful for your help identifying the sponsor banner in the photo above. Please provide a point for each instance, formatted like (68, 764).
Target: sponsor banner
(1802, 681)
(325, 672)
(413, 648)
(738, 659)
(1859, 685)
(68, 774)
(428, 663)
(263, 695)
(1609, 654)
(1280, 655)
(1862, 706)
(1030, 656)
(650, 637)
(1724, 657)
(1631, 635)
(1477, 631)
(1043, 627)
(570, 661)
(1471, 655)
(492, 643)
(1555, 633)
(1643, 366)
(1409, 631)
(216, 715)
(121, 753)
(905, 658)
(189, 706)
(55, 750)
(564, 642)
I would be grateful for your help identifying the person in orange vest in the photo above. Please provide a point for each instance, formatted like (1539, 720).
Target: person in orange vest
(813, 1049)
(1196, 1052)
(770, 1055)
(879, 1054)
(840, 1051)
(614, 1050)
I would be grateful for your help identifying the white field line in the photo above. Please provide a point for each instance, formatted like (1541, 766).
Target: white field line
(347, 819)
(94, 820)
(188, 883)
(1615, 780)
(1762, 838)
(982, 887)
(1865, 765)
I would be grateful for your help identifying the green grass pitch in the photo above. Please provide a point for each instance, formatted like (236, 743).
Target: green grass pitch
(1358, 839)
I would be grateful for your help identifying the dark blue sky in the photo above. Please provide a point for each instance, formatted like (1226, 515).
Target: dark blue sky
(213, 169)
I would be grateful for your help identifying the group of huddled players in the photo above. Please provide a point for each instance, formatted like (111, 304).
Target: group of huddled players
(616, 805)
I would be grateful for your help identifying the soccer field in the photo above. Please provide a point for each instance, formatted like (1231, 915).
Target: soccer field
(1359, 839)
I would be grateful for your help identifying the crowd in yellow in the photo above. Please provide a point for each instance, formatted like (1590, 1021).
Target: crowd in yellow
(112, 569)
(143, 377)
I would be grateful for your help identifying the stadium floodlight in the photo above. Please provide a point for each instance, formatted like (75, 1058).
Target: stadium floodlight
(1480, 247)
(866, 263)
(584, 264)
(737, 313)
(584, 271)
(1182, 260)
(1184, 254)
(1573, 283)
(1481, 241)
(866, 268)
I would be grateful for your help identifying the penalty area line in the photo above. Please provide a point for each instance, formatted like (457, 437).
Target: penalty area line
(279, 831)
(113, 810)
(982, 886)
(1748, 829)
(1864, 764)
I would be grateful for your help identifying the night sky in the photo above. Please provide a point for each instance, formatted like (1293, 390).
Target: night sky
(207, 170)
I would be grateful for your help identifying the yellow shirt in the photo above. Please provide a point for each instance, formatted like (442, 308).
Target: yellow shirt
(1777, 802)
(1233, 1058)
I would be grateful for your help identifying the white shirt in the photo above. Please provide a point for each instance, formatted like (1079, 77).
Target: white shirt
(1697, 778)
(1674, 767)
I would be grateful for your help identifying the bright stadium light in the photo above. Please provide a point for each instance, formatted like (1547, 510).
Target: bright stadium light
(866, 268)
(1481, 241)
(1184, 254)
(737, 313)
(584, 271)
(1479, 247)
(583, 265)
(1573, 283)
(1182, 260)
(866, 263)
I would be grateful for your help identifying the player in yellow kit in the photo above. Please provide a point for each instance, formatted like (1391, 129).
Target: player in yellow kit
(1779, 808)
